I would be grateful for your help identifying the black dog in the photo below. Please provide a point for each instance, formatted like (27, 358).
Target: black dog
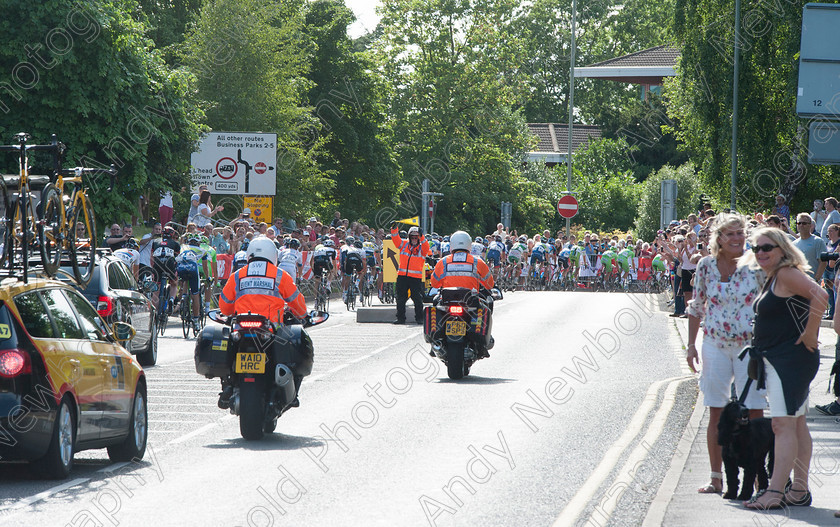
(746, 443)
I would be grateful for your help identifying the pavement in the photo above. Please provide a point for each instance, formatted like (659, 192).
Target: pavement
(677, 502)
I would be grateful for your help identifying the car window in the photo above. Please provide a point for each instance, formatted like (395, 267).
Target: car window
(34, 316)
(127, 277)
(66, 323)
(115, 277)
(92, 323)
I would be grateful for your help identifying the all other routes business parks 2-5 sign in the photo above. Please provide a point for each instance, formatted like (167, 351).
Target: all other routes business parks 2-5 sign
(241, 163)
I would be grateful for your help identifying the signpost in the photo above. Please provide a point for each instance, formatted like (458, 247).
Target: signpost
(241, 163)
(261, 207)
(567, 206)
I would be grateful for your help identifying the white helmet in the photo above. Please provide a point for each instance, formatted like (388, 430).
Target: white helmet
(460, 241)
(264, 248)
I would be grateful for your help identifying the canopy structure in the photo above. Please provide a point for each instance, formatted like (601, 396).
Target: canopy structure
(647, 67)
(553, 146)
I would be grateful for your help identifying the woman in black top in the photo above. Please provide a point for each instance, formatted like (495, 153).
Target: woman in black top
(787, 322)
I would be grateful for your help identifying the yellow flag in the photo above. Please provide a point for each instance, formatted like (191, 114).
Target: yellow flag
(411, 221)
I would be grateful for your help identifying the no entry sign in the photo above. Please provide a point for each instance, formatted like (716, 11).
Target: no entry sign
(567, 206)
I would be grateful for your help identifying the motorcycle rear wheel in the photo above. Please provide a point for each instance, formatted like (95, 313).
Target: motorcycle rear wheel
(252, 408)
(455, 360)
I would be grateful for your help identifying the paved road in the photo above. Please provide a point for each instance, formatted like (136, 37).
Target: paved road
(571, 421)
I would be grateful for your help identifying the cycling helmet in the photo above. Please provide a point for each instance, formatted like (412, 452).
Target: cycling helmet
(169, 232)
(294, 244)
(460, 241)
(329, 243)
(264, 248)
(131, 243)
(349, 240)
(446, 238)
(485, 241)
(358, 244)
(414, 231)
(523, 238)
(478, 239)
(195, 241)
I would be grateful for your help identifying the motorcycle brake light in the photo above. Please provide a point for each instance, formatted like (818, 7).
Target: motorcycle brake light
(456, 310)
(250, 324)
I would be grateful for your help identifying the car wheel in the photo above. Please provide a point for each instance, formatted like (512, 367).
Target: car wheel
(149, 356)
(134, 445)
(58, 461)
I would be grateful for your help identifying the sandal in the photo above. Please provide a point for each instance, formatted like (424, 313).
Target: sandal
(753, 503)
(804, 501)
(711, 488)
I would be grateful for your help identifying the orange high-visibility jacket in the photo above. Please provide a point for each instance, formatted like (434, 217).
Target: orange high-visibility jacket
(261, 288)
(412, 259)
(461, 269)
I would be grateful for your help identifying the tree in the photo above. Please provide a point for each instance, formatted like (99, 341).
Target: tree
(349, 99)
(251, 59)
(86, 72)
(689, 189)
(168, 21)
(455, 69)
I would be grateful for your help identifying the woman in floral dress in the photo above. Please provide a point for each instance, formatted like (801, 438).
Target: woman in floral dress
(723, 297)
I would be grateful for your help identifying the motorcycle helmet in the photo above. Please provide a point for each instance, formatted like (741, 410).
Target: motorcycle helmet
(263, 248)
(460, 241)
(131, 243)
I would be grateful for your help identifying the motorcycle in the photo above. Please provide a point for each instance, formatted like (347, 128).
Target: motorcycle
(458, 326)
(261, 365)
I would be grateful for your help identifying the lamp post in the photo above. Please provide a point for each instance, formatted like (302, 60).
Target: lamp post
(571, 111)
(736, 69)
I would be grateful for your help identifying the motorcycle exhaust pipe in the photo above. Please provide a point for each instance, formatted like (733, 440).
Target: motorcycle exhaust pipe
(285, 380)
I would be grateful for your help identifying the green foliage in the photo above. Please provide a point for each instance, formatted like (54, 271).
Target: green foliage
(86, 72)
(688, 196)
(168, 22)
(251, 58)
(348, 98)
(455, 66)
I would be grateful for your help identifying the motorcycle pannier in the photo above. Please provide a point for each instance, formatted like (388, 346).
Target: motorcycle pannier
(293, 347)
(213, 353)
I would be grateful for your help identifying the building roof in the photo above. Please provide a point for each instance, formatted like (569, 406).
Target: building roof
(648, 66)
(553, 145)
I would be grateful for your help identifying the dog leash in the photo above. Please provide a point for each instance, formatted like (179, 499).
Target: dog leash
(745, 391)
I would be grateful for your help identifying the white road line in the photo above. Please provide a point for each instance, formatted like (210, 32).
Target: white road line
(114, 467)
(607, 506)
(331, 327)
(194, 433)
(24, 502)
(576, 506)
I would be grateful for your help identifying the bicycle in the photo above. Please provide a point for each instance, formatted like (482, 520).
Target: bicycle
(164, 304)
(368, 287)
(388, 294)
(322, 300)
(351, 293)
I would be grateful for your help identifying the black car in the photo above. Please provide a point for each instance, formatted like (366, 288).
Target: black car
(117, 297)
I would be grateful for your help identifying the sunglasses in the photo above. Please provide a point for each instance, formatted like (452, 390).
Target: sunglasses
(767, 247)
(803, 222)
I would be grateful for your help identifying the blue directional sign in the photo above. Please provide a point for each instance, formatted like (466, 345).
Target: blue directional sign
(818, 93)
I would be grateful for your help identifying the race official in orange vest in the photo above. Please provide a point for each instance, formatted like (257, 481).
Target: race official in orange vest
(260, 287)
(413, 254)
(461, 269)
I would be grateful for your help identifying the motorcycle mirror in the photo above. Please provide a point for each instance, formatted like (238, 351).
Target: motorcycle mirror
(216, 316)
(317, 317)
(496, 294)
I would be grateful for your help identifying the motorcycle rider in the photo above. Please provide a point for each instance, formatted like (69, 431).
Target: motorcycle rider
(260, 288)
(462, 269)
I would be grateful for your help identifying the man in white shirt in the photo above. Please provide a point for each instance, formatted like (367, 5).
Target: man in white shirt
(833, 216)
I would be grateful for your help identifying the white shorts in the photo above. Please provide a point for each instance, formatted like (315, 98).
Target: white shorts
(776, 395)
(720, 365)
(292, 270)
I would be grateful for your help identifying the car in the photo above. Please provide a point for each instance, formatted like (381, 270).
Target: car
(118, 298)
(66, 383)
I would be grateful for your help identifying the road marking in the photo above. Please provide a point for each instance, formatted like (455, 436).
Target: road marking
(23, 502)
(313, 378)
(194, 433)
(572, 511)
(331, 327)
(113, 467)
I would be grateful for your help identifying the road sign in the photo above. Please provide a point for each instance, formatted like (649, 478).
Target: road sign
(824, 143)
(567, 206)
(261, 207)
(240, 163)
(818, 93)
(390, 261)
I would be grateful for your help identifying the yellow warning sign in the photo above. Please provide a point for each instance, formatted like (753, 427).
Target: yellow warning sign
(261, 207)
(390, 261)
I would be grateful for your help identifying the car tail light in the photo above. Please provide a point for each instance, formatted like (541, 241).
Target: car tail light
(104, 306)
(456, 310)
(250, 324)
(14, 362)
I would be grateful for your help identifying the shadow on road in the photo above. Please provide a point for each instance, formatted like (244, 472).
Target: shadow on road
(476, 380)
(274, 441)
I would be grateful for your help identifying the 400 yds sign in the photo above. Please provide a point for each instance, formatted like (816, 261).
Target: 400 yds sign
(241, 163)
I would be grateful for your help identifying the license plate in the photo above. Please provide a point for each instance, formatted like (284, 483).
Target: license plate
(456, 328)
(250, 363)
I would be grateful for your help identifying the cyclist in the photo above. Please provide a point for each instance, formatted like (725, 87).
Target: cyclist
(211, 277)
(444, 247)
(190, 272)
(372, 255)
(240, 259)
(495, 254)
(477, 247)
(539, 255)
(164, 252)
(353, 261)
(261, 288)
(562, 254)
(607, 260)
(323, 259)
(290, 259)
(131, 256)
(625, 260)
(516, 255)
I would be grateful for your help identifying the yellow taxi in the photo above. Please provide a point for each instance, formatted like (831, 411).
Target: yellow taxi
(66, 383)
